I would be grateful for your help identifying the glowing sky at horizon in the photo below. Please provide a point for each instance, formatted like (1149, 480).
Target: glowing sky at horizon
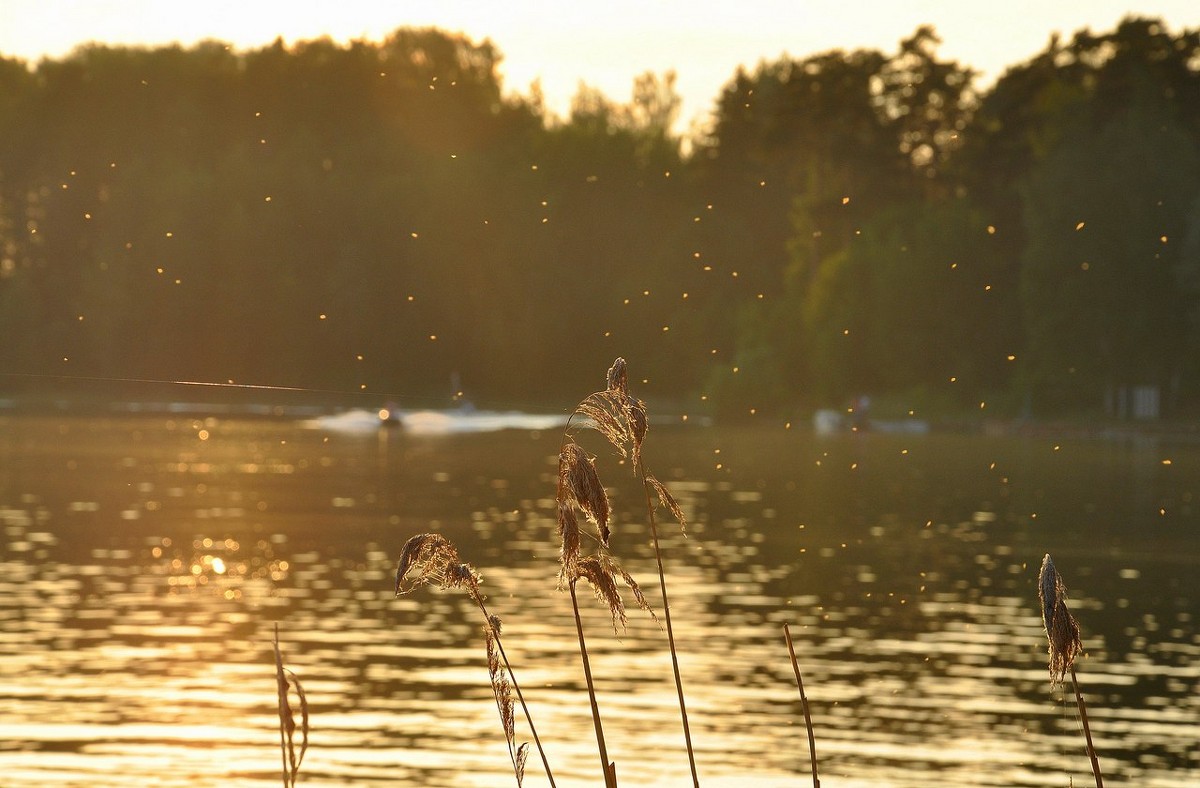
(603, 45)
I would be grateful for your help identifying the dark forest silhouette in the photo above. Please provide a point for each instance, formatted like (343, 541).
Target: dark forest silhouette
(385, 214)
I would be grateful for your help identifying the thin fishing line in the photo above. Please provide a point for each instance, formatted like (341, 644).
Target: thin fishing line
(204, 383)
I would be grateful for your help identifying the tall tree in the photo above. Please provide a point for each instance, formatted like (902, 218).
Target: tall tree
(1106, 214)
(811, 151)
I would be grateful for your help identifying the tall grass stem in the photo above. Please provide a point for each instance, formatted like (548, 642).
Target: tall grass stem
(662, 585)
(287, 719)
(1087, 731)
(281, 685)
(609, 769)
(812, 740)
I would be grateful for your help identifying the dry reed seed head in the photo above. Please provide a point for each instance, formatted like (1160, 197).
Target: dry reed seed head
(287, 717)
(418, 552)
(285, 707)
(579, 482)
(606, 410)
(502, 689)
(489, 642)
(1050, 588)
(668, 500)
(430, 559)
(1065, 643)
(618, 376)
(592, 569)
(303, 698)
(568, 533)
(491, 631)
(519, 765)
(500, 682)
(636, 590)
(1062, 630)
(601, 571)
(635, 412)
(462, 576)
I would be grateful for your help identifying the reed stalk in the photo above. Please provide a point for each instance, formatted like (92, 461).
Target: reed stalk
(601, 571)
(1087, 730)
(609, 769)
(662, 585)
(812, 740)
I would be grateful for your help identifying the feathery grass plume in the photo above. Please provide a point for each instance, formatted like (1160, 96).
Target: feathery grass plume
(639, 425)
(668, 500)
(568, 533)
(632, 408)
(602, 571)
(502, 690)
(430, 559)
(287, 720)
(608, 412)
(579, 483)
(812, 740)
(1062, 632)
(617, 378)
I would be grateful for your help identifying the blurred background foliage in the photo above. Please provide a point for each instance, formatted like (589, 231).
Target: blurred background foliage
(387, 215)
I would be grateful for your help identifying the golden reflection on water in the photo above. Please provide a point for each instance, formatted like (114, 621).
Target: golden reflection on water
(144, 562)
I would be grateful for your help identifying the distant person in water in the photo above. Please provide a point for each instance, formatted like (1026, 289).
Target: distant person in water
(389, 415)
(860, 413)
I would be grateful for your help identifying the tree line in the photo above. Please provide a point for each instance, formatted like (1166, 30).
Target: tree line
(385, 216)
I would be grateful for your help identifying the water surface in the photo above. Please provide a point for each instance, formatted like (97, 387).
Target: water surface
(145, 560)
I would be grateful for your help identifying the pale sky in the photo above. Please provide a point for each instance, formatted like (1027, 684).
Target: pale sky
(605, 44)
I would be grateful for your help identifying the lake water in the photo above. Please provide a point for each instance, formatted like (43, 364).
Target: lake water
(146, 558)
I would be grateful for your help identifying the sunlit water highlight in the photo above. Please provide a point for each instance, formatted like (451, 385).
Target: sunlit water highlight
(145, 560)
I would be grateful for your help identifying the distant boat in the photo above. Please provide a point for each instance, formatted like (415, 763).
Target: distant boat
(356, 420)
(828, 422)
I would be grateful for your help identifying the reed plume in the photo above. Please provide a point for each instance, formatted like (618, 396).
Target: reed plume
(432, 560)
(622, 419)
(579, 484)
(568, 534)
(287, 720)
(1062, 633)
(1062, 630)
(602, 572)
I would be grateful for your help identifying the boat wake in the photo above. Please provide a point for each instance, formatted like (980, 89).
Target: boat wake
(434, 422)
